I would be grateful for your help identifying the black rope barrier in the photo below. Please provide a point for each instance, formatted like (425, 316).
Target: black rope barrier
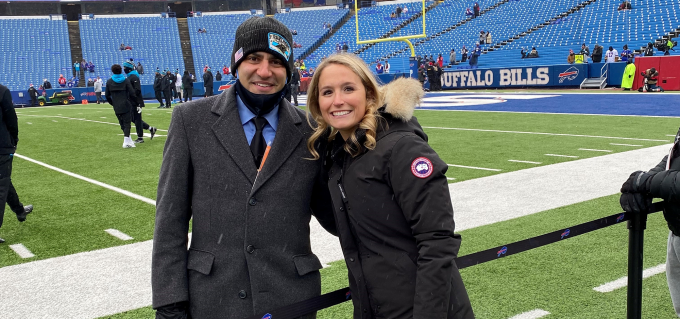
(636, 229)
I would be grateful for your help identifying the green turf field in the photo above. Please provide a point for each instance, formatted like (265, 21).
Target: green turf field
(71, 214)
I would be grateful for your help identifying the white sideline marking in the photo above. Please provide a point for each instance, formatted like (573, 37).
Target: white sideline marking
(670, 135)
(594, 150)
(623, 281)
(134, 133)
(103, 117)
(118, 234)
(473, 167)
(451, 178)
(107, 186)
(533, 314)
(624, 144)
(22, 251)
(558, 155)
(528, 162)
(86, 120)
(542, 133)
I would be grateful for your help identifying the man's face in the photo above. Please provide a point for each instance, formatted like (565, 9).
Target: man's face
(262, 73)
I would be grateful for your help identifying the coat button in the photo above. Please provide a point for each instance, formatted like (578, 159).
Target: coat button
(250, 249)
(342, 209)
(242, 294)
(252, 201)
(351, 259)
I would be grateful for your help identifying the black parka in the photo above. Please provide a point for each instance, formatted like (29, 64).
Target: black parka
(136, 100)
(9, 125)
(396, 229)
(117, 94)
(665, 184)
(168, 82)
(207, 79)
(158, 82)
(187, 81)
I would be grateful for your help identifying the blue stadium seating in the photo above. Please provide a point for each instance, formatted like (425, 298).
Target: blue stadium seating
(33, 49)
(309, 25)
(154, 41)
(599, 23)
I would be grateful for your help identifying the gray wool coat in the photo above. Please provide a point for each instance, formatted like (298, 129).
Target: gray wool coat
(250, 248)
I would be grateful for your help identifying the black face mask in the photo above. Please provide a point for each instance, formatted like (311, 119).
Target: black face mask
(259, 104)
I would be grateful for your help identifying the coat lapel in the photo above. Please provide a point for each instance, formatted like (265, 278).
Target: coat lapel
(288, 136)
(229, 132)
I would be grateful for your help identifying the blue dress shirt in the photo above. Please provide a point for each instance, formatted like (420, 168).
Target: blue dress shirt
(269, 130)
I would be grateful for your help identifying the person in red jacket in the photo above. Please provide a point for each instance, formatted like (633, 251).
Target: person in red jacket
(440, 61)
(225, 70)
(62, 80)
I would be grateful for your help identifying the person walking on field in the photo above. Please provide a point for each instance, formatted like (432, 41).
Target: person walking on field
(118, 91)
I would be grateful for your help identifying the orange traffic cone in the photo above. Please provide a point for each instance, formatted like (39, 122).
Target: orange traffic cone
(84, 102)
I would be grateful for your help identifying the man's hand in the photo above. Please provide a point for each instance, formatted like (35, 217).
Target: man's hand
(139, 110)
(635, 202)
(172, 311)
(637, 183)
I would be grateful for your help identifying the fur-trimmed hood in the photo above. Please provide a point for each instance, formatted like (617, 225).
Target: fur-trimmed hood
(401, 97)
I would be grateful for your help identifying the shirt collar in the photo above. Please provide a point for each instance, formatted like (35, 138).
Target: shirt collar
(246, 115)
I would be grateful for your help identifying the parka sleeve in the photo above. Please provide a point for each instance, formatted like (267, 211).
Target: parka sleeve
(416, 174)
(169, 277)
(664, 183)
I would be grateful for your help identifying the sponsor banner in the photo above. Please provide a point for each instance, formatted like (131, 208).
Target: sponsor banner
(540, 76)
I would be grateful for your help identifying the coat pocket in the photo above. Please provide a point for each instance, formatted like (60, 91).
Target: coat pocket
(201, 261)
(306, 263)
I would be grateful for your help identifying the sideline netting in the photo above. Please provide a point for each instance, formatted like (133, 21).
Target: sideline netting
(636, 225)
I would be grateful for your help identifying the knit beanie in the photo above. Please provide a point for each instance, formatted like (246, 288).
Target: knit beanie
(264, 34)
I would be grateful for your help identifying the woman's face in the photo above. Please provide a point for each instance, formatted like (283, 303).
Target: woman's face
(342, 98)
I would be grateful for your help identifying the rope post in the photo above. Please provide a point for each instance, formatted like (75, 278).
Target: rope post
(636, 232)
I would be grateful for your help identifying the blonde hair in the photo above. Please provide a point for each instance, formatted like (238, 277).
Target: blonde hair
(374, 100)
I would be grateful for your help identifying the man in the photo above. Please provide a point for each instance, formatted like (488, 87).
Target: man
(158, 88)
(140, 68)
(626, 54)
(225, 70)
(218, 76)
(295, 85)
(345, 47)
(379, 68)
(188, 84)
(98, 89)
(208, 82)
(46, 84)
(452, 57)
(628, 76)
(387, 66)
(76, 66)
(62, 81)
(651, 80)
(662, 181)
(167, 85)
(33, 94)
(137, 102)
(398, 11)
(611, 55)
(178, 85)
(585, 51)
(597, 54)
(118, 91)
(476, 9)
(250, 250)
(9, 136)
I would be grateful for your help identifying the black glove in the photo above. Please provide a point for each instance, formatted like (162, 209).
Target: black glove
(176, 310)
(638, 182)
(635, 202)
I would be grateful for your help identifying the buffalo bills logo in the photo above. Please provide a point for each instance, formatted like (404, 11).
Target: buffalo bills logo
(502, 251)
(570, 74)
(421, 167)
(348, 295)
(267, 316)
(279, 44)
(620, 218)
(565, 234)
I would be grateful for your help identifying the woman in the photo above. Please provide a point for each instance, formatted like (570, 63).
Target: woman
(391, 197)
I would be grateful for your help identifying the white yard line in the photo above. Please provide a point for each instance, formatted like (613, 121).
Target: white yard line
(558, 155)
(118, 234)
(624, 144)
(623, 281)
(89, 180)
(451, 178)
(543, 133)
(85, 120)
(528, 162)
(22, 251)
(473, 167)
(594, 150)
(533, 314)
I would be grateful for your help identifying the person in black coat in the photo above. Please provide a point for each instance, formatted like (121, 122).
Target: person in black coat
(208, 82)
(218, 76)
(393, 213)
(476, 9)
(597, 54)
(137, 102)
(662, 181)
(33, 94)
(47, 85)
(295, 86)
(188, 84)
(167, 85)
(9, 137)
(118, 92)
(158, 88)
